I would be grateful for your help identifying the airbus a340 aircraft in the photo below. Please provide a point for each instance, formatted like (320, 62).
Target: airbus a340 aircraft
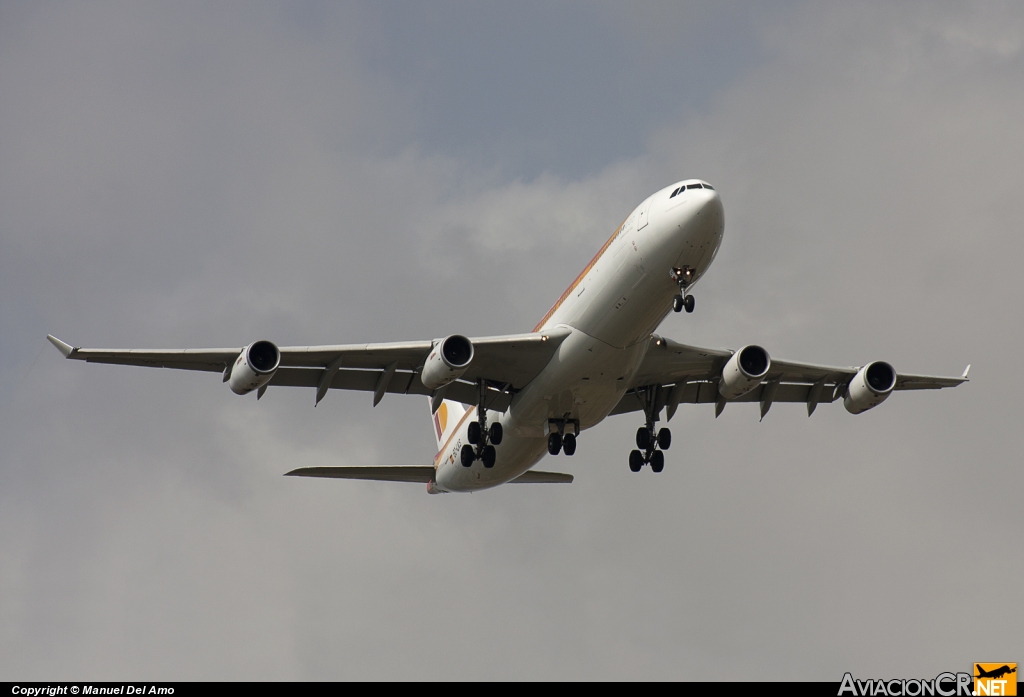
(500, 403)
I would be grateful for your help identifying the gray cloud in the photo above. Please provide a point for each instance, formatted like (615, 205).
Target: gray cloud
(191, 175)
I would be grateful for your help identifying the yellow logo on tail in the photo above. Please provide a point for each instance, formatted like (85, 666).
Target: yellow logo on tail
(441, 419)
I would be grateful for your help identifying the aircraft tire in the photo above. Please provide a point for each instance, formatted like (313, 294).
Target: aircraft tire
(474, 432)
(489, 456)
(677, 303)
(664, 439)
(689, 303)
(467, 456)
(496, 433)
(657, 461)
(569, 444)
(554, 443)
(643, 438)
(636, 461)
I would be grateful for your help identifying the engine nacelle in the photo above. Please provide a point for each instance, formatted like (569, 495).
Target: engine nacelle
(254, 367)
(744, 371)
(447, 361)
(869, 387)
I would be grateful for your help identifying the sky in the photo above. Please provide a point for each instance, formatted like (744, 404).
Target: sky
(191, 174)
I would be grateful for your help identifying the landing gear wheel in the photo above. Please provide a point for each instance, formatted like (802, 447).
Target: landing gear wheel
(636, 461)
(688, 303)
(677, 303)
(474, 432)
(496, 433)
(489, 456)
(643, 438)
(657, 461)
(554, 443)
(569, 444)
(664, 439)
(467, 456)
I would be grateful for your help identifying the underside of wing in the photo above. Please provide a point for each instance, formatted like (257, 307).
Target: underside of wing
(214, 360)
(504, 364)
(674, 373)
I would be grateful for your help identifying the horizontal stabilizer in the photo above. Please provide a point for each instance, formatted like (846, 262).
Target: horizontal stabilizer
(532, 477)
(413, 474)
(377, 474)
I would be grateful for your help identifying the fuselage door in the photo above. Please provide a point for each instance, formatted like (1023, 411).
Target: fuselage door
(641, 221)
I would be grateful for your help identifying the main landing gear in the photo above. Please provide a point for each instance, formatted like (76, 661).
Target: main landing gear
(683, 277)
(650, 443)
(481, 438)
(651, 446)
(559, 440)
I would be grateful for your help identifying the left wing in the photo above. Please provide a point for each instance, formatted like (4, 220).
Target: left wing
(673, 374)
(504, 363)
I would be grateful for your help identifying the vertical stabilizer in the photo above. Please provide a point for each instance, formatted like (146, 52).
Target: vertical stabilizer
(446, 419)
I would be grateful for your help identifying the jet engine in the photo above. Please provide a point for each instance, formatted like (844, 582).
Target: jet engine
(254, 367)
(869, 387)
(447, 361)
(744, 371)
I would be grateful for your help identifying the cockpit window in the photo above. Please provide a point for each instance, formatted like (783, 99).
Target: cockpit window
(684, 187)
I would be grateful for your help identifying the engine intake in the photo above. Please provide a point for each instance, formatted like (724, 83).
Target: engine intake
(744, 371)
(254, 367)
(869, 387)
(447, 361)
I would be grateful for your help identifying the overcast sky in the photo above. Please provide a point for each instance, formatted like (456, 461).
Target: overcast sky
(189, 175)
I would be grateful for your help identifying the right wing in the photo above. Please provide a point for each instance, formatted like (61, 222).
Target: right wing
(673, 373)
(505, 363)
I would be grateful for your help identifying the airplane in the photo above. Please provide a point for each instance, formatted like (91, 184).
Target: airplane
(499, 404)
(996, 673)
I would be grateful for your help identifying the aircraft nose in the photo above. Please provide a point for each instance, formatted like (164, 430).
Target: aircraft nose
(710, 203)
(711, 214)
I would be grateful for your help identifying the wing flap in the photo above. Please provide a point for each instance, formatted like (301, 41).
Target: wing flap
(213, 360)
(927, 382)
(408, 354)
(401, 383)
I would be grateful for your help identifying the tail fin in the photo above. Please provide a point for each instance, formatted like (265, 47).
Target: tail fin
(446, 419)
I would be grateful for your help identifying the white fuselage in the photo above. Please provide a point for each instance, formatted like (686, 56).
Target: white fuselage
(609, 311)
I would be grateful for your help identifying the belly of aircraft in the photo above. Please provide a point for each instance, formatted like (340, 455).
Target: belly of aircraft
(584, 381)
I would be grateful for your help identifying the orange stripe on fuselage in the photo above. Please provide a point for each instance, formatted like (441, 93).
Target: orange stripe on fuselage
(579, 278)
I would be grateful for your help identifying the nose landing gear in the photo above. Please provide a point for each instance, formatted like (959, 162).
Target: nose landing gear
(683, 277)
